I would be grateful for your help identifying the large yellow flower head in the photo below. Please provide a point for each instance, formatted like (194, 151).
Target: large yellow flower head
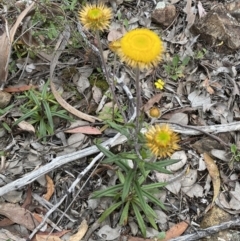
(141, 48)
(95, 17)
(162, 141)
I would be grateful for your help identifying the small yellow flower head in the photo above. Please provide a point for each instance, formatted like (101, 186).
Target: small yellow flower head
(159, 84)
(95, 17)
(162, 141)
(115, 45)
(154, 112)
(141, 48)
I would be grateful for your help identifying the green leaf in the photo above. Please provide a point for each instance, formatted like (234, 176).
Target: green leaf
(121, 163)
(139, 194)
(48, 114)
(44, 90)
(185, 60)
(25, 116)
(139, 219)
(151, 220)
(6, 127)
(124, 216)
(233, 148)
(127, 155)
(120, 176)
(108, 211)
(175, 61)
(105, 151)
(108, 192)
(153, 186)
(119, 128)
(127, 184)
(34, 98)
(153, 199)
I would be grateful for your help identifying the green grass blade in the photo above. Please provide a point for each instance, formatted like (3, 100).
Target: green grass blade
(108, 192)
(48, 114)
(139, 219)
(105, 151)
(153, 199)
(139, 193)
(108, 211)
(124, 216)
(127, 184)
(34, 98)
(153, 186)
(25, 116)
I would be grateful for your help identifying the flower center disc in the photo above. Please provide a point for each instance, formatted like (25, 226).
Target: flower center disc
(95, 13)
(163, 138)
(141, 42)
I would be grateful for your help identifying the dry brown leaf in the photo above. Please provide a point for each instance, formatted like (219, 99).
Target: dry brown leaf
(6, 39)
(55, 234)
(207, 86)
(13, 89)
(155, 99)
(81, 231)
(176, 230)
(214, 174)
(70, 108)
(44, 237)
(25, 126)
(50, 188)
(18, 215)
(85, 130)
(6, 221)
(5, 46)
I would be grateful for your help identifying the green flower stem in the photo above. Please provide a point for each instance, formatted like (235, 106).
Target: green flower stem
(138, 115)
(110, 82)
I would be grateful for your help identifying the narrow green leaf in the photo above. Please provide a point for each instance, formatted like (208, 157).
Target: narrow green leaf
(124, 216)
(153, 199)
(48, 113)
(151, 220)
(139, 219)
(139, 193)
(108, 192)
(105, 151)
(108, 211)
(120, 176)
(122, 164)
(25, 116)
(6, 126)
(153, 186)
(127, 184)
(32, 95)
(119, 128)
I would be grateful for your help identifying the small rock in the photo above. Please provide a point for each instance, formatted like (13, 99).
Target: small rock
(218, 28)
(5, 99)
(164, 16)
(216, 216)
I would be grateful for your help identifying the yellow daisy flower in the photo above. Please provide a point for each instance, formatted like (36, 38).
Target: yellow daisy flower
(159, 84)
(95, 17)
(141, 48)
(162, 141)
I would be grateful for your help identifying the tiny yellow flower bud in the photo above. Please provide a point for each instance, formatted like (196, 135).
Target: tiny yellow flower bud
(154, 112)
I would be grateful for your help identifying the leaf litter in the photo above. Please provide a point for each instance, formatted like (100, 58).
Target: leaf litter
(205, 93)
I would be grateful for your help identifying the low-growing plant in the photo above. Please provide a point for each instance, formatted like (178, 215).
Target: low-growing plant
(235, 155)
(39, 109)
(3, 112)
(175, 68)
(200, 53)
(133, 193)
